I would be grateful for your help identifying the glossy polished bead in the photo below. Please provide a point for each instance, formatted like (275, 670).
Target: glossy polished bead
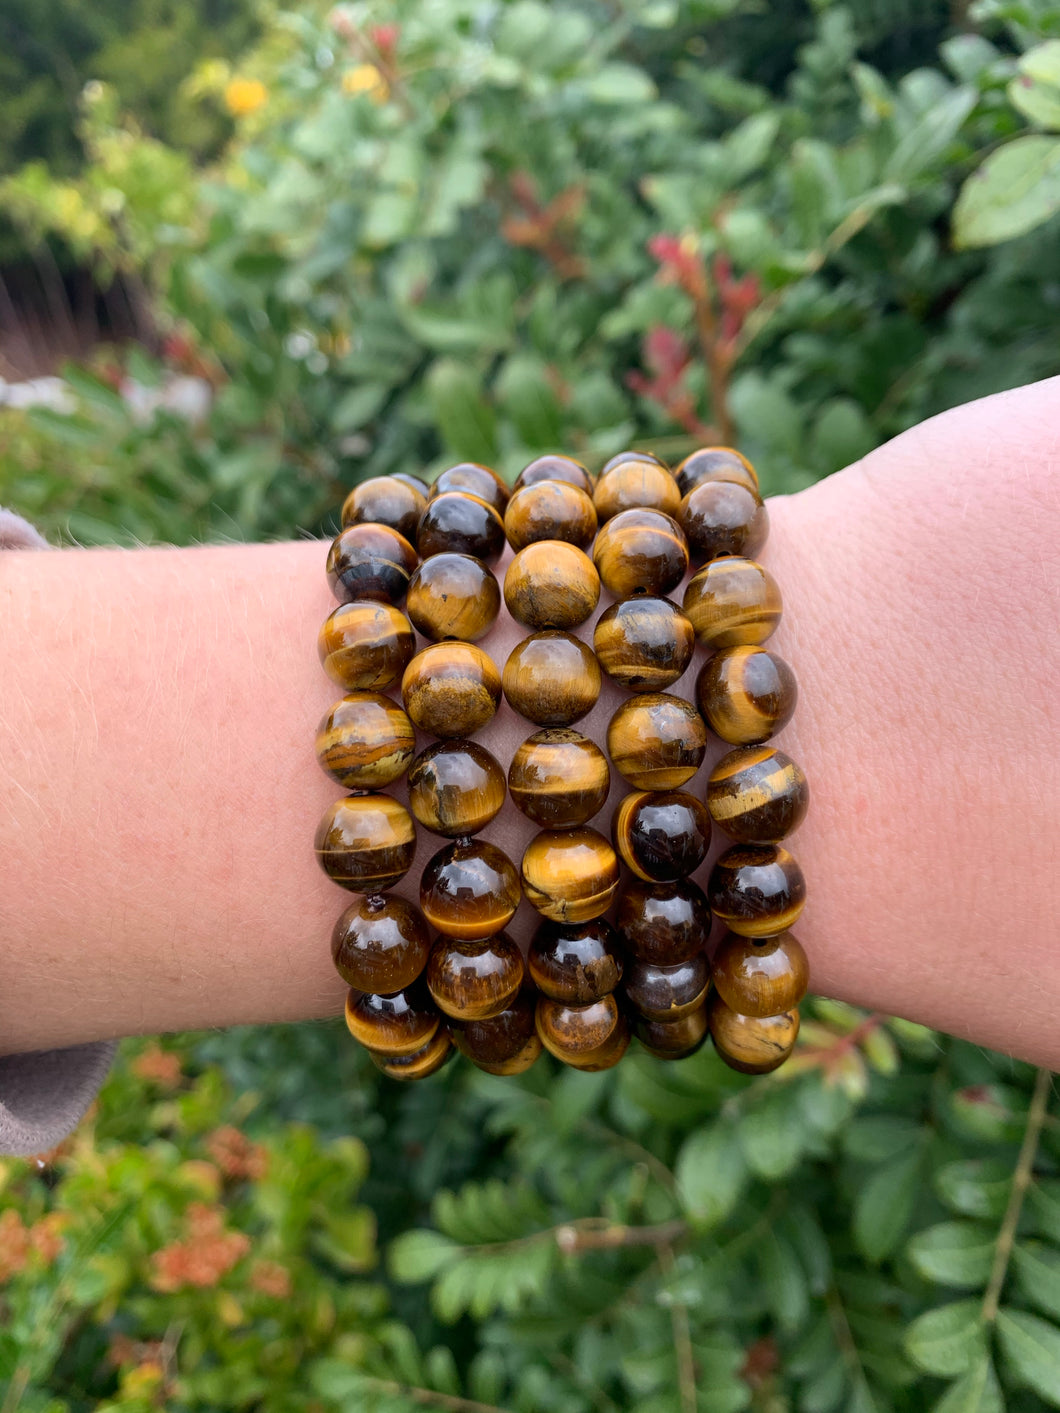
(661, 836)
(416, 482)
(552, 678)
(644, 644)
(714, 463)
(757, 795)
(426, 1061)
(732, 601)
(592, 1037)
(469, 890)
(657, 742)
(746, 694)
(559, 778)
(380, 944)
(638, 483)
(460, 523)
(751, 1044)
(621, 458)
(366, 842)
(721, 517)
(370, 562)
(569, 875)
(384, 500)
(554, 468)
(756, 889)
(474, 980)
(761, 976)
(507, 1043)
(550, 584)
(397, 1024)
(365, 741)
(666, 993)
(576, 963)
(453, 596)
(451, 689)
(476, 479)
(455, 788)
(366, 646)
(550, 510)
(640, 552)
(673, 1039)
(663, 923)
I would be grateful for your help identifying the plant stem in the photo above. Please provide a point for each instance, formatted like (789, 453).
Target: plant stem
(600, 1234)
(430, 1398)
(686, 1364)
(844, 1336)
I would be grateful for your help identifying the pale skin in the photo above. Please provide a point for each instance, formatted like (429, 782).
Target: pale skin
(160, 792)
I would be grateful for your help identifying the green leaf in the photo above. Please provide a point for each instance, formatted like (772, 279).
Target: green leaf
(1037, 101)
(975, 1187)
(747, 146)
(619, 83)
(711, 1173)
(526, 395)
(926, 142)
(977, 1391)
(772, 1136)
(1037, 1269)
(954, 1253)
(1032, 1350)
(946, 1341)
(783, 1282)
(419, 1255)
(465, 420)
(1042, 63)
(884, 1205)
(1043, 1203)
(1015, 189)
(358, 406)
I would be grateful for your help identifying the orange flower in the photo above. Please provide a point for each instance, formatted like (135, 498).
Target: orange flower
(243, 96)
(158, 1066)
(205, 1257)
(271, 1279)
(14, 1244)
(366, 78)
(235, 1155)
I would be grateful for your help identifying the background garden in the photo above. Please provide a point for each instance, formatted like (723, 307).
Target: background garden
(294, 246)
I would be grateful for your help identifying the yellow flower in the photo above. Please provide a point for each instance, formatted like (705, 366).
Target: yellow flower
(243, 96)
(366, 78)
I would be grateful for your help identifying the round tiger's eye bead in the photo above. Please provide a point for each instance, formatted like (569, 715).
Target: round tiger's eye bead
(552, 678)
(757, 795)
(640, 552)
(761, 976)
(365, 741)
(668, 993)
(416, 482)
(455, 788)
(661, 837)
(366, 842)
(460, 523)
(641, 483)
(622, 458)
(370, 562)
(474, 479)
(575, 963)
(396, 1024)
(550, 584)
(554, 468)
(474, 980)
(751, 1044)
(592, 1037)
(453, 596)
(380, 944)
(569, 875)
(451, 689)
(756, 889)
(732, 601)
(423, 1062)
(746, 694)
(656, 742)
(673, 1039)
(715, 463)
(550, 510)
(507, 1043)
(720, 517)
(559, 778)
(365, 647)
(644, 644)
(663, 923)
(384, 500)
(469, 890)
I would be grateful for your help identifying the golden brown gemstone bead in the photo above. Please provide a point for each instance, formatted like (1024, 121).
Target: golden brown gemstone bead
(715, 463)
(552, 678)
(756, 889)
(642, 482)
(469, 890)
(366, 842)
(657, 742)
(396, 1024)
(673, 1039)
(474, 980)
(663, 923)
(423, 1062)
(455, 788)
(622, 457)
(761, 976)
(746, 694)
(554, 468)
(721, 517)
(731, 601)
(451, 689)
(644, 644)
(570, 875)
(366, 646)
(460, 523)
(661, 836)
(380, 944)
(370, 562)
(757, 795)
(670, 992)
(640, 552)
(476, 480)
(416, 482)
(365, 741)
(550, 510)
(384, 500)
(576, 963)
(504, 1044)
(550, 584)
(592, 1037)
(453, 596)
(751, 1044)
(559, 778)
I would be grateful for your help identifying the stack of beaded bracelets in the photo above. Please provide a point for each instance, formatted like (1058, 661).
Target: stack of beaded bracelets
(583, 982)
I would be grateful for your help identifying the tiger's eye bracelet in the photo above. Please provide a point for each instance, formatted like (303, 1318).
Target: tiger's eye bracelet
(585, 985)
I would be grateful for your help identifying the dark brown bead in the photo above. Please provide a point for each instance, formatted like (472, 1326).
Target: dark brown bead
(732, 601)
(757, 795)
(554, 468)
(365, 741)
(421, 1063)
(714, 463)
(470, 890)
(623, 458)
(559, 778)
(416, 482)
(592, 1037)
(396, 1024)
(663, 923)
(657, 742)
(453, 596)
(661, 837)
(751, 1044)
(569, 875)
(576, 963)
(451, 689)
(756, 889)
(746, 694)
(384, 500)
(475, 479)
(667, 993)
(761, 976)
(640, 552)
(644, 644)
(474, 980)
(720, 517)
(370, 562)
(366, 646)
(455, 788)
(507, 1043)
(380, 944)
(366, 842)
(641, 483)
(456, 522)
(673, 1039)
(550, 584)
(550, 510)
(552, 678)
